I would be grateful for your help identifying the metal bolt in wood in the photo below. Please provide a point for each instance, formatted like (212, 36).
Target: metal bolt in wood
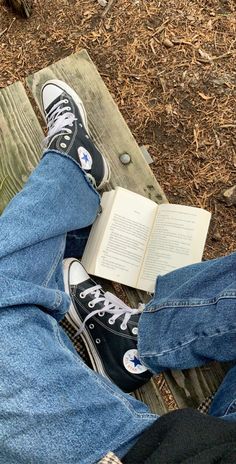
(125, 158)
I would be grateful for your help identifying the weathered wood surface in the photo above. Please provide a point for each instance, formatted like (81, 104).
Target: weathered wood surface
(20, 141)
(106, 123)
(113, 137)
(20, 149)
(192, 386)
(151, 395)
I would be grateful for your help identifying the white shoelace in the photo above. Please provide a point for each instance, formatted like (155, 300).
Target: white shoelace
(112, 305)
(59, 118)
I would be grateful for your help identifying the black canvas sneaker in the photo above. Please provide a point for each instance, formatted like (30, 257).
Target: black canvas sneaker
(107, 326)
(68, 130)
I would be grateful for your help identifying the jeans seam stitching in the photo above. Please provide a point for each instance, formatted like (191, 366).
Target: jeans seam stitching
(58, 300)
(55, 263)
(231, 406)
(148, 354)
(177, 304)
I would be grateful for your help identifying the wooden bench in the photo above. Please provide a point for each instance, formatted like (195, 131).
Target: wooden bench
(20, 151)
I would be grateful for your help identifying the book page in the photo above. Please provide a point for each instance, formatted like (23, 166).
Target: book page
(177, 239)
(97, 231)
(124, 240)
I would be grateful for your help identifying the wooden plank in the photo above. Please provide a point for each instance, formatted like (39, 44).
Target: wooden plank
(106, 123)
(151, 395)
(20, 150)
(113, 137)
(191, 386)
(20, 141)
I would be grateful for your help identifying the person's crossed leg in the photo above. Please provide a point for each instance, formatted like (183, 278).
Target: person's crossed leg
(53, 408)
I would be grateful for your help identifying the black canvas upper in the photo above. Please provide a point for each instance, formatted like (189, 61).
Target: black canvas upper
(109, 342)
(79, 138)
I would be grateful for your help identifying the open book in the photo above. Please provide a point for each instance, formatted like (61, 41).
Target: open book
(134, 239)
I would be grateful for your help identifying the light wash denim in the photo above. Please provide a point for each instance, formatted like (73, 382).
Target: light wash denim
(53, 408)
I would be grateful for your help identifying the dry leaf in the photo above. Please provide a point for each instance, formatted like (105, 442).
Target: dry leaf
(168, 43)
(152, 46)
(102, 3)
(195, 135)
(169, 108)
(204, 55)
(234, 158)
(204, 97)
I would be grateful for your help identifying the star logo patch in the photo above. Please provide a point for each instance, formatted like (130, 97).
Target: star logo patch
(132, 362)
(85, 158)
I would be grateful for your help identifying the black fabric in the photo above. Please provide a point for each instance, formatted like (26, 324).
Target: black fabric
(79, 137)
(115, 344)
(185, 437)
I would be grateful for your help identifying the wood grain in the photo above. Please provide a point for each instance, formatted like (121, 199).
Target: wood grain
(20, 141)
(190, 387)
(20, 150)
(113, 137)
(151, 395)
(106, 123)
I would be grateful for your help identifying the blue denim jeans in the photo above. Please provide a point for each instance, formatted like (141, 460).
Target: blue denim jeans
(190, 321)
(53, 408)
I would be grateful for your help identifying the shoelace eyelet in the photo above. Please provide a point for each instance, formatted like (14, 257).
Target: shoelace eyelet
(111, 321)
(98, 341)
(82, 295)
(66, 101)
(135, 331)
(68, 108)
(66, 137)
(91, 326)
(123, 326)
(63, 145)
(101, 313)
(90, 304)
